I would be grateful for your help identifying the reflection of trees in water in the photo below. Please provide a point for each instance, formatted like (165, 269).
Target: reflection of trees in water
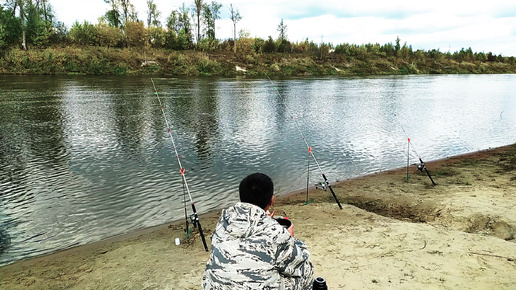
(204, 107)
(47, 134)
(34, 115)
(130, 105)
(192, 104)
(32, 143)
(129, 115)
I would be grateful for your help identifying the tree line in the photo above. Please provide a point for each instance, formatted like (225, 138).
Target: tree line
(33, 25)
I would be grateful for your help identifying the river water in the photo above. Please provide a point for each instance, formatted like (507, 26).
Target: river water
(86, 158)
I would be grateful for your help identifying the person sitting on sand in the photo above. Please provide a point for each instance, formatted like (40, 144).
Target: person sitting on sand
(250, 250)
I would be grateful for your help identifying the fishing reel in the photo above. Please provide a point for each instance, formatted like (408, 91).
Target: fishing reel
(194, 220)
(322, 185)
(421, 166)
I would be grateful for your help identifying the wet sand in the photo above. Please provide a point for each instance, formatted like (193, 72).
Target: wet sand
(391, 233)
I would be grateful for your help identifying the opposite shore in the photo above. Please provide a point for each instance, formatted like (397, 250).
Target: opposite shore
(391, 233)
(349, 60)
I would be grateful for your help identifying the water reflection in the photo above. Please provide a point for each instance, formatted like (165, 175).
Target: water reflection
(85, 158)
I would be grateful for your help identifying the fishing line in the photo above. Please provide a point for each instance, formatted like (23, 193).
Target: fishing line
(310, 151)
(420, 166)
(194, 217)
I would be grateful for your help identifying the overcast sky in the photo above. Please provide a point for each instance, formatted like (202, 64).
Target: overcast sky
(488, 26)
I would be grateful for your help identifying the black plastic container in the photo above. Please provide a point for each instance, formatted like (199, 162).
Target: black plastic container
(320, 284)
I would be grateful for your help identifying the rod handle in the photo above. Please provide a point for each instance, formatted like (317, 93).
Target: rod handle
(331, 189)
(198, 223)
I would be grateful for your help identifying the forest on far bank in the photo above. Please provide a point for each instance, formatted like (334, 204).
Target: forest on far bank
(33, 42)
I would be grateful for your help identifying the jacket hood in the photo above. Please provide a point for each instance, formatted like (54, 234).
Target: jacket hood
(244, 220)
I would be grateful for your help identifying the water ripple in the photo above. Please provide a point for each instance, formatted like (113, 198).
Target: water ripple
(83, 159)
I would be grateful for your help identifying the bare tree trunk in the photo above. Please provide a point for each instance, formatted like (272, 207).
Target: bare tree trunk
(234, 37)
(235, 17)
(198, 29)
(198, 7)
(22, 19)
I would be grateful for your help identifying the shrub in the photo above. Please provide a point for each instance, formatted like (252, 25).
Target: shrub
(284, 46)
(109, 36)
(83, 34)
(269, 46)
(136, 34)
(207, 67)
(258, 45)
(157, 37)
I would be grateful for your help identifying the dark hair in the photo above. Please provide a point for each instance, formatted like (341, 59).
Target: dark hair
(256, 189)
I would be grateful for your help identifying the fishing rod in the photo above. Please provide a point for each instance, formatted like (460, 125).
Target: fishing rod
(194, 217)
(421, 166)
(310, 151)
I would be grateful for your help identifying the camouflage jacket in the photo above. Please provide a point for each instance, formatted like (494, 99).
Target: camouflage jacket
(250, 250)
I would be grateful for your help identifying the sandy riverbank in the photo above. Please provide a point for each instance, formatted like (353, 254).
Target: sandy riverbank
(391, 233)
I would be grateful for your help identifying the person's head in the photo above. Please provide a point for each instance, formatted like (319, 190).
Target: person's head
(256, 189)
